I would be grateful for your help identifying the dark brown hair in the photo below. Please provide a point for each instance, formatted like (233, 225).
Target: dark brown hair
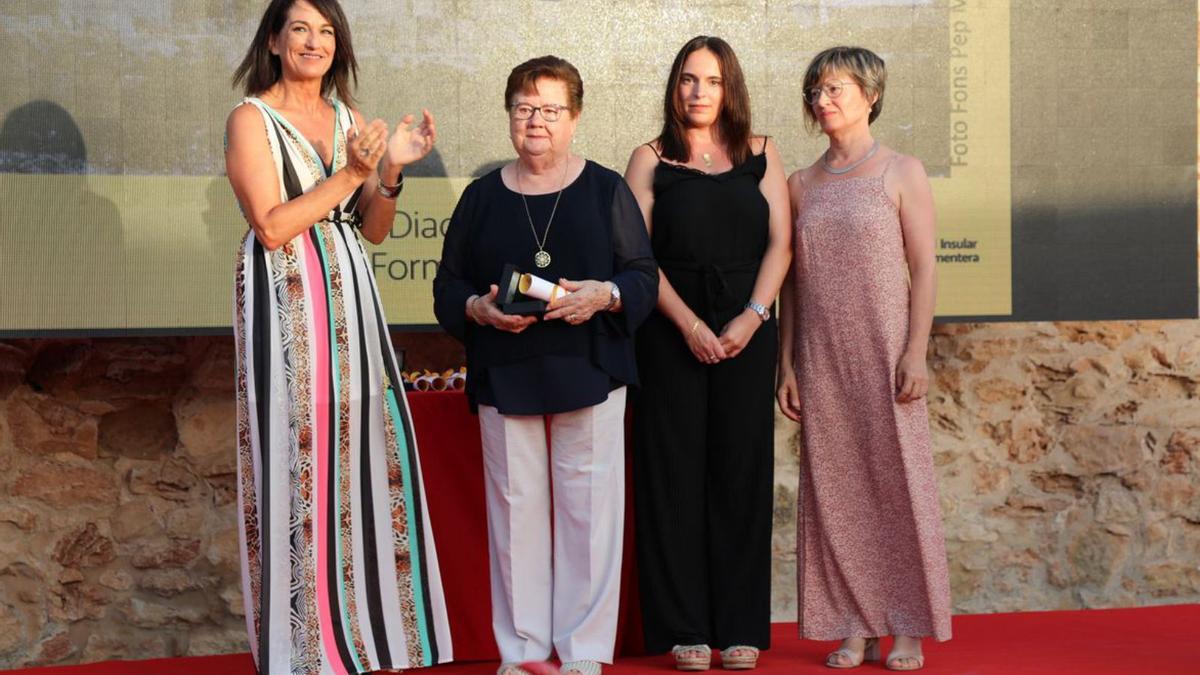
(733, 120)
(523, 80)
(260, 69)
(861, 64)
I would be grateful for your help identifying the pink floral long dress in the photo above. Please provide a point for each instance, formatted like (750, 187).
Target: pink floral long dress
(871, 559)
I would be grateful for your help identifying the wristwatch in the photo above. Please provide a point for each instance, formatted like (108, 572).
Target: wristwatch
(615, 296)
(761, 310)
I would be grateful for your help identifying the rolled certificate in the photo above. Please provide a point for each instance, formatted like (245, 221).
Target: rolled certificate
(536, 287)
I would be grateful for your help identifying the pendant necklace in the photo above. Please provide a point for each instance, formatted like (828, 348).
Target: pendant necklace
(542, 257)
(850, 167)
(707, 159)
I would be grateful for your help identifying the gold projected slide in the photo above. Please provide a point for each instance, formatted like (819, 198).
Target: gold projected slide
(116, 215)
(974, 242)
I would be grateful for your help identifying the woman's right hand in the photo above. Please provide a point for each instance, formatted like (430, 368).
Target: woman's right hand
(365, 149)
(705, 345)
(788, 394)
(482, 310)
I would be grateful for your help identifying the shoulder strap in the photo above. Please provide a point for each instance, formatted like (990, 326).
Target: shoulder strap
(888, 166)
(764, 144)
(345, 118)
(656, 152)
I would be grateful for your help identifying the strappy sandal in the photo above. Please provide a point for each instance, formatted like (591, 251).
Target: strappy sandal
(870, 652)
(745, 661)
(692, 657)
(511, 669)
(894, 658)
(583, 667)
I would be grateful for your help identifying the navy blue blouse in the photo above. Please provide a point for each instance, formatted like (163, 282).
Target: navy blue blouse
(551, 367)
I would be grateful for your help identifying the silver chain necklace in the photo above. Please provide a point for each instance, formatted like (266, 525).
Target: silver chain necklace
(850, 167)
(542, 258)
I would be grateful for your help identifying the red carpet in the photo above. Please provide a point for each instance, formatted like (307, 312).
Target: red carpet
(1159, 640)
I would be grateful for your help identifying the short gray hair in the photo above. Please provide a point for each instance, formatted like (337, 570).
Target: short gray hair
(864, 65)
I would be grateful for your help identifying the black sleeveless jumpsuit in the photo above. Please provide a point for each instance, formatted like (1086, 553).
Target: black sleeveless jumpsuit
(703, 434)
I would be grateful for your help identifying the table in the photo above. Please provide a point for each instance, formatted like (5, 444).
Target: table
(452, 469)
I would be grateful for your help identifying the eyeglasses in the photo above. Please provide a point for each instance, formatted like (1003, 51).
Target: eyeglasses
(524, 111)
(832, 89)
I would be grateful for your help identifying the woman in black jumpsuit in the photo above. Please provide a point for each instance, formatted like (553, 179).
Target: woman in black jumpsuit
(716, 204)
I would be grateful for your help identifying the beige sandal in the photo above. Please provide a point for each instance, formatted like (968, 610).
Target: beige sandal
(745, 661)
(511, 669)
(692, 657)
(895, 657)
(870, 652)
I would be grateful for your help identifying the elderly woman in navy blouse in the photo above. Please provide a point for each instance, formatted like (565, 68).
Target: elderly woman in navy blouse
(574, 222)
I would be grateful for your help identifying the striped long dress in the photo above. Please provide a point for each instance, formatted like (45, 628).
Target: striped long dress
(339, 571)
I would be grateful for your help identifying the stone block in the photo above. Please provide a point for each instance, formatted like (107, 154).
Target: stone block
(78, 601)
(83, 547)
(144, 614)
(171, 582)
(165, 553)
(1104, 449)
(228, 640)
(12, 631)
(133, 520)
(207, 432)
(143, 431)
(42, 425)
(67, 486)
(22, 517)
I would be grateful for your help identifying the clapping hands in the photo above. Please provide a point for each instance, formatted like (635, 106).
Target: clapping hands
(410, 144)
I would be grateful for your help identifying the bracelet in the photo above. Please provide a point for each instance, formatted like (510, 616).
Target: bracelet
(390, 191)
(694, 327)
(471, 308)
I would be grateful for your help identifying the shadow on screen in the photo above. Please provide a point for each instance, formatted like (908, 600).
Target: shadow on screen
(62, 246)
(488, 167)
(224, 223)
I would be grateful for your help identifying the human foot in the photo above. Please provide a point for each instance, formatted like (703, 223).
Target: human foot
(692, 657)
(739, 657)
(906, 654)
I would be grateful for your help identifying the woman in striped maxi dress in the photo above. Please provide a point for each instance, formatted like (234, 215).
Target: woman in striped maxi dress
(339, 571)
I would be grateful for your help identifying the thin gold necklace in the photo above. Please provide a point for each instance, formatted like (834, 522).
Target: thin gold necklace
(542, 257)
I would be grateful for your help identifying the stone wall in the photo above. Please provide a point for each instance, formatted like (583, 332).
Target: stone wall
(1068, 456)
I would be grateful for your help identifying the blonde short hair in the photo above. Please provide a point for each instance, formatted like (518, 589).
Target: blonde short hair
(863, 65)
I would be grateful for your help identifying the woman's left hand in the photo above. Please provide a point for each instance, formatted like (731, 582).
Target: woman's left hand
(585, 299)
(737, 333)
(409, 144)
(912, 377)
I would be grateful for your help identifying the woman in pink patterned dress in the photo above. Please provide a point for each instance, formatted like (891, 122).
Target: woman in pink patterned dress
(854, 324)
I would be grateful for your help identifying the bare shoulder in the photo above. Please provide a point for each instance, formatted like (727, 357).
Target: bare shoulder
(644, 158)
(646, 152)
(908, 169)
(245, 122)
(766, 145)
(244, 114)
(801, 177)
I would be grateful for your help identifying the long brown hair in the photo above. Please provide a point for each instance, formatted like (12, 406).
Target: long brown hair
(733, 121)
(260, 69)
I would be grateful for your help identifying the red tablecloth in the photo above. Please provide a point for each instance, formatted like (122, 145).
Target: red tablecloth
(452, 467)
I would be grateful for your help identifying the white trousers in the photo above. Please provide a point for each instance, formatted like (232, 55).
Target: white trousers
(555, 587)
